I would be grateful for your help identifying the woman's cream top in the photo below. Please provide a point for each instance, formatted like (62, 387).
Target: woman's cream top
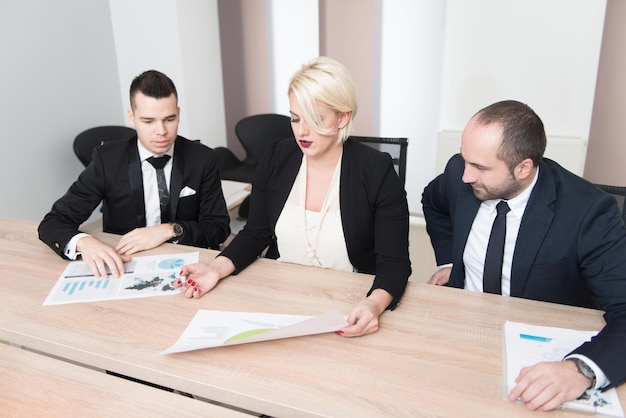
(313, 238)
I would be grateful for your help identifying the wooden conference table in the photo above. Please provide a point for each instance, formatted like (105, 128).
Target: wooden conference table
(438, 354)
(34, 385)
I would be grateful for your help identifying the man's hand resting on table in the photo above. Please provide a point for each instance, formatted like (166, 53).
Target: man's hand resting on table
(441, 276)
(99, 256)
(547, 385)
(146, 238)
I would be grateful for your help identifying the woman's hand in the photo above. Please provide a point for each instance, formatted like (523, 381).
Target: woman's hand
(200, 278)
(363, 317)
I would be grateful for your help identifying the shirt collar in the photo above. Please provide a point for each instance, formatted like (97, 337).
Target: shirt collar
(518, 203)
(144, 154)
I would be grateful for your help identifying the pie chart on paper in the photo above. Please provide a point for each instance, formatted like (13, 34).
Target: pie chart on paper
(171, 263)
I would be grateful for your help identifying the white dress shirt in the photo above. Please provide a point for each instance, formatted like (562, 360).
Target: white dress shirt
(476, 247)
(150, 189)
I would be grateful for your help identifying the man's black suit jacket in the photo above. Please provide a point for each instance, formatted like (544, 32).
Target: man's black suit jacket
(114, 178)
(374, 212)
(571, 249)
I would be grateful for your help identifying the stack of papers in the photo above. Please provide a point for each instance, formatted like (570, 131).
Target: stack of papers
(526, 345)
(235, 192)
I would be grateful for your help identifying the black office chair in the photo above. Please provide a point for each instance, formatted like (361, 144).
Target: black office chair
(619, 193)
(86, 141)
(255, 133)
(395, 147)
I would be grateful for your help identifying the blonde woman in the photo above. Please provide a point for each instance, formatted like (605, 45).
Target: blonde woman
(324, 200)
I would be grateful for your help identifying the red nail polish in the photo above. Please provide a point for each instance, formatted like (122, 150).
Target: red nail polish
(181, 273)
(195, 289)
(189, 281)
(178, 282)
(340, 332)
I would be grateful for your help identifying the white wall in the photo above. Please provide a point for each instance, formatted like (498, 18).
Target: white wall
(411, 64)
(58, 77)
(147, 37)
(67, 66)
(202, 71)
(543, 53)
(293, 40)
(181, 39)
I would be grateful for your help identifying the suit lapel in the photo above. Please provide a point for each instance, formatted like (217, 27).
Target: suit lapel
(136, 183)
(176, 178)
(535, 223)
(466, 208)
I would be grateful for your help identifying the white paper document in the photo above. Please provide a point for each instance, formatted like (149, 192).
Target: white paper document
(526, 345)
(144, 276)
(220, 328)
(234, 191)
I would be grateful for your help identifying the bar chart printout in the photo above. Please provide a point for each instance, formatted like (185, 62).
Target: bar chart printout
(144, 277)
(527, 344)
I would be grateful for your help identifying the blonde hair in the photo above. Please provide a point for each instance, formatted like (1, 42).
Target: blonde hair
(326, 81)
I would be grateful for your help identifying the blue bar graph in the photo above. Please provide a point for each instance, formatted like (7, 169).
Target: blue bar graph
(71, 288)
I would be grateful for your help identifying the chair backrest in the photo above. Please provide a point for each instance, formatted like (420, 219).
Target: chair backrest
(619, 193)
(258, 131)
(395, 147)
(86, 141)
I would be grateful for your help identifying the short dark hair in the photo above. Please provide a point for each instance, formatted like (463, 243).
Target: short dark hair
(154, 84)
(523, 134)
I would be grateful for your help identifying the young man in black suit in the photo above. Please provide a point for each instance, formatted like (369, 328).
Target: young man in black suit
(564, 242)
(189, 209)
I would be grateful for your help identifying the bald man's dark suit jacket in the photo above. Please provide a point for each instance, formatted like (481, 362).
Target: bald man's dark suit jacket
(114, 178)
(571, 249)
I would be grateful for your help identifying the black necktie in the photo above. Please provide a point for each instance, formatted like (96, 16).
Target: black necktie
(164, 195)
(492, 275)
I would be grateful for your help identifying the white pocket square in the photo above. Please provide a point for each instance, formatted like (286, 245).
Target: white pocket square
(187, 191)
